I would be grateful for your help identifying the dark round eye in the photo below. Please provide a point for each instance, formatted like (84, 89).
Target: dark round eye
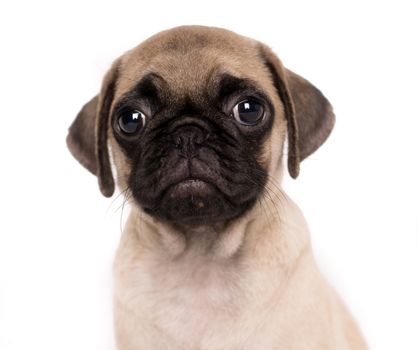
(131, 122)
(248, 112)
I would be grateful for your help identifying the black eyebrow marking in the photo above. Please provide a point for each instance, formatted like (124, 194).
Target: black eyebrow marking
(151, 87)
(229, 84)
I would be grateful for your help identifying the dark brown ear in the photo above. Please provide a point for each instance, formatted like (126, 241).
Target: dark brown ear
(314, 114)
(81, 136)
(87, 137)
(308, 113)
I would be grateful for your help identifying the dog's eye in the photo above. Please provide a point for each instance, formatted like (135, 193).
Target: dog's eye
(131, 122)
(248, 112)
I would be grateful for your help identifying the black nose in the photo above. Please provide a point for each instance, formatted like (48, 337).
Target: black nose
(187, 139)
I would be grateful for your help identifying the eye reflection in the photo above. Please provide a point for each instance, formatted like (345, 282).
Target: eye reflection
(248, 112)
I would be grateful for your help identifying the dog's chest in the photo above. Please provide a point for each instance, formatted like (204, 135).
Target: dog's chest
(194, 303)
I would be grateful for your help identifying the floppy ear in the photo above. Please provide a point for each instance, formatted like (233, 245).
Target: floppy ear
(308, 113)
(81, 138)
(87, 137)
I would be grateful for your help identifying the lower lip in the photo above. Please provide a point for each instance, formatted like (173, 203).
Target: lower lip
(191, 187)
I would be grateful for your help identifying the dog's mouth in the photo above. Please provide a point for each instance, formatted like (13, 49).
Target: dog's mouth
(196, 191)
(192, 200)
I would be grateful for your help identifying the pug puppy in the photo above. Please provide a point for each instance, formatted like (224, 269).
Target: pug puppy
(214, 254)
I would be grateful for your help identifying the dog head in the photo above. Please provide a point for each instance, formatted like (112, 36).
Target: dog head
(196, 119)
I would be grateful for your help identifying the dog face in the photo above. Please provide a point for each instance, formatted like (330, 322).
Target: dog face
(194, 153)
(196, 119)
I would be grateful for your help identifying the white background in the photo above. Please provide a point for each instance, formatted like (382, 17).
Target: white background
(359, 191)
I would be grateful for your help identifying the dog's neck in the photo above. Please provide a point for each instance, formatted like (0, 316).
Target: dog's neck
(271, 235)
(224, 273)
